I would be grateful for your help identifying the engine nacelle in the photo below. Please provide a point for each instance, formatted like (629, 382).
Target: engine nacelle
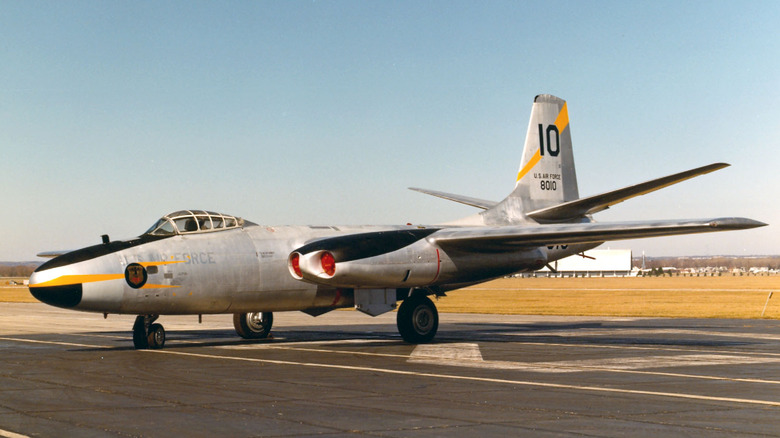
(414, 266)
(402, 259)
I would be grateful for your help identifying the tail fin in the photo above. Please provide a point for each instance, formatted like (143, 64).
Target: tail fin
(546, 176)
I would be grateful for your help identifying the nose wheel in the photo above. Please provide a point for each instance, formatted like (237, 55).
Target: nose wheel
(148, 334)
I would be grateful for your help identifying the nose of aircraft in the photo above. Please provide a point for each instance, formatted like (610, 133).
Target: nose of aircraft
(57, 292)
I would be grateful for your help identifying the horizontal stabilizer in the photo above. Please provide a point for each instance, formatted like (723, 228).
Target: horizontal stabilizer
(507, 238)
(594, 204)
(473, 202)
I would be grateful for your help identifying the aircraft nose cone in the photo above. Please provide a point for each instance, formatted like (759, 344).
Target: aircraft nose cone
(66, 296)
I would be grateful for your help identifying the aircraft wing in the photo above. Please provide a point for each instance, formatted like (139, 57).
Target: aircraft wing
(505, 238)
(51, 254)
(594, 204)
(473, 202)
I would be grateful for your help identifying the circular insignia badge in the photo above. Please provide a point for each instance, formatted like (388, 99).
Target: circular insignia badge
(135, 275)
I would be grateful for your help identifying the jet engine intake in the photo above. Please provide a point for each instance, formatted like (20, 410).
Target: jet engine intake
(320, 265)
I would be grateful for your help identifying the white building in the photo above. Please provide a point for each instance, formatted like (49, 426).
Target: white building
(595, 263)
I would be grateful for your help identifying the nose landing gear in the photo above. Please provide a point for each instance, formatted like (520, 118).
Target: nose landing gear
(147, 334)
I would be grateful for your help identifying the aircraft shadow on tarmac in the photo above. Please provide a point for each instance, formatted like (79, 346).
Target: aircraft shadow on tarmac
(609, 334)
(183, 339)
(537, 333)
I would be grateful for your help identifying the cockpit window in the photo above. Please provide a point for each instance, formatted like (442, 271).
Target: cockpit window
(204, 222)
(166, 228)
(162, 227)
(186, 224)
(193, 221)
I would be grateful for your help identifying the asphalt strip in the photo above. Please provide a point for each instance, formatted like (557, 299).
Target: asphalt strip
(526, 383)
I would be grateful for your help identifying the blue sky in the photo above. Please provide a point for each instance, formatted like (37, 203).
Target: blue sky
(113, 114)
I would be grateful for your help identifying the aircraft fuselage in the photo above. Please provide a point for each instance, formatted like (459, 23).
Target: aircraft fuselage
(247, 270)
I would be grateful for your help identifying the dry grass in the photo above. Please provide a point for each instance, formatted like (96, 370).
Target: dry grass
(15, 294)
(676, 297)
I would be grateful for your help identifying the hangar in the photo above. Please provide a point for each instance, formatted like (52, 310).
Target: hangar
(593, 263)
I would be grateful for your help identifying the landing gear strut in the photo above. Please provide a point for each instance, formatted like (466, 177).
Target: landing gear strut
(146, 334)
(417, 319)
(255, 325)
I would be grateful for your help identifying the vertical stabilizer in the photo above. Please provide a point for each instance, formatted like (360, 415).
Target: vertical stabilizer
(546, 176)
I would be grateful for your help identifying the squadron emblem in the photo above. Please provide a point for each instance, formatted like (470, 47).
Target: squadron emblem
(135, 275)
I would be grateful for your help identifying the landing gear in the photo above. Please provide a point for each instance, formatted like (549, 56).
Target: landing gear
(156, 336)
(255, 325)
(417, 319)
(146, 334)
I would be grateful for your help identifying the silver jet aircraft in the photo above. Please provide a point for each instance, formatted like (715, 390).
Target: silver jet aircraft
(200, 262)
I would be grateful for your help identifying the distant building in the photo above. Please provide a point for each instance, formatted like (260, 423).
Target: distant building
(596, 263)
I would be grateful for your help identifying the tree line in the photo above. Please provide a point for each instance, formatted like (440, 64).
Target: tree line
(771, 262)
(18, 270)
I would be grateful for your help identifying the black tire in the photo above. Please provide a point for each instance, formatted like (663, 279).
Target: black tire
(254, 325)
(156, 337)
(140, 340)
(417, 319)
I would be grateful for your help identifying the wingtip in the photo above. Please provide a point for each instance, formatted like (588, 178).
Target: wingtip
(758, 223)
(737, 223)
(51, 254)
(714, 166)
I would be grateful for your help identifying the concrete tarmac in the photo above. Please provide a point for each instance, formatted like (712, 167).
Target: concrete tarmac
(65, 373)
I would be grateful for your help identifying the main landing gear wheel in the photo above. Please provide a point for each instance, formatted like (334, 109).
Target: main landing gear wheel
(417, 319)
(146, 334)
(255, 325)
(156, 337)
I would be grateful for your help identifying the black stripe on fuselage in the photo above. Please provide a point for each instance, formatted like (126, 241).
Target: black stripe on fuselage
(364, 245)
(92, 252)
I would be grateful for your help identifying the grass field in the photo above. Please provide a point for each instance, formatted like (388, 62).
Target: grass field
(15, 294)
(676, 297)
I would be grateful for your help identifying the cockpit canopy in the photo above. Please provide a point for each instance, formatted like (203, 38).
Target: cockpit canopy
(193, 221)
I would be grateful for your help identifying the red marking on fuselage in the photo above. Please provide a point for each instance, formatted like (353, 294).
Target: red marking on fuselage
(338, 297)
(438, 266)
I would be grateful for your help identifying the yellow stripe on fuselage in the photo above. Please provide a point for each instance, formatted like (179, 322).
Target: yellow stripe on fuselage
(146, 264)
(67, 280)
